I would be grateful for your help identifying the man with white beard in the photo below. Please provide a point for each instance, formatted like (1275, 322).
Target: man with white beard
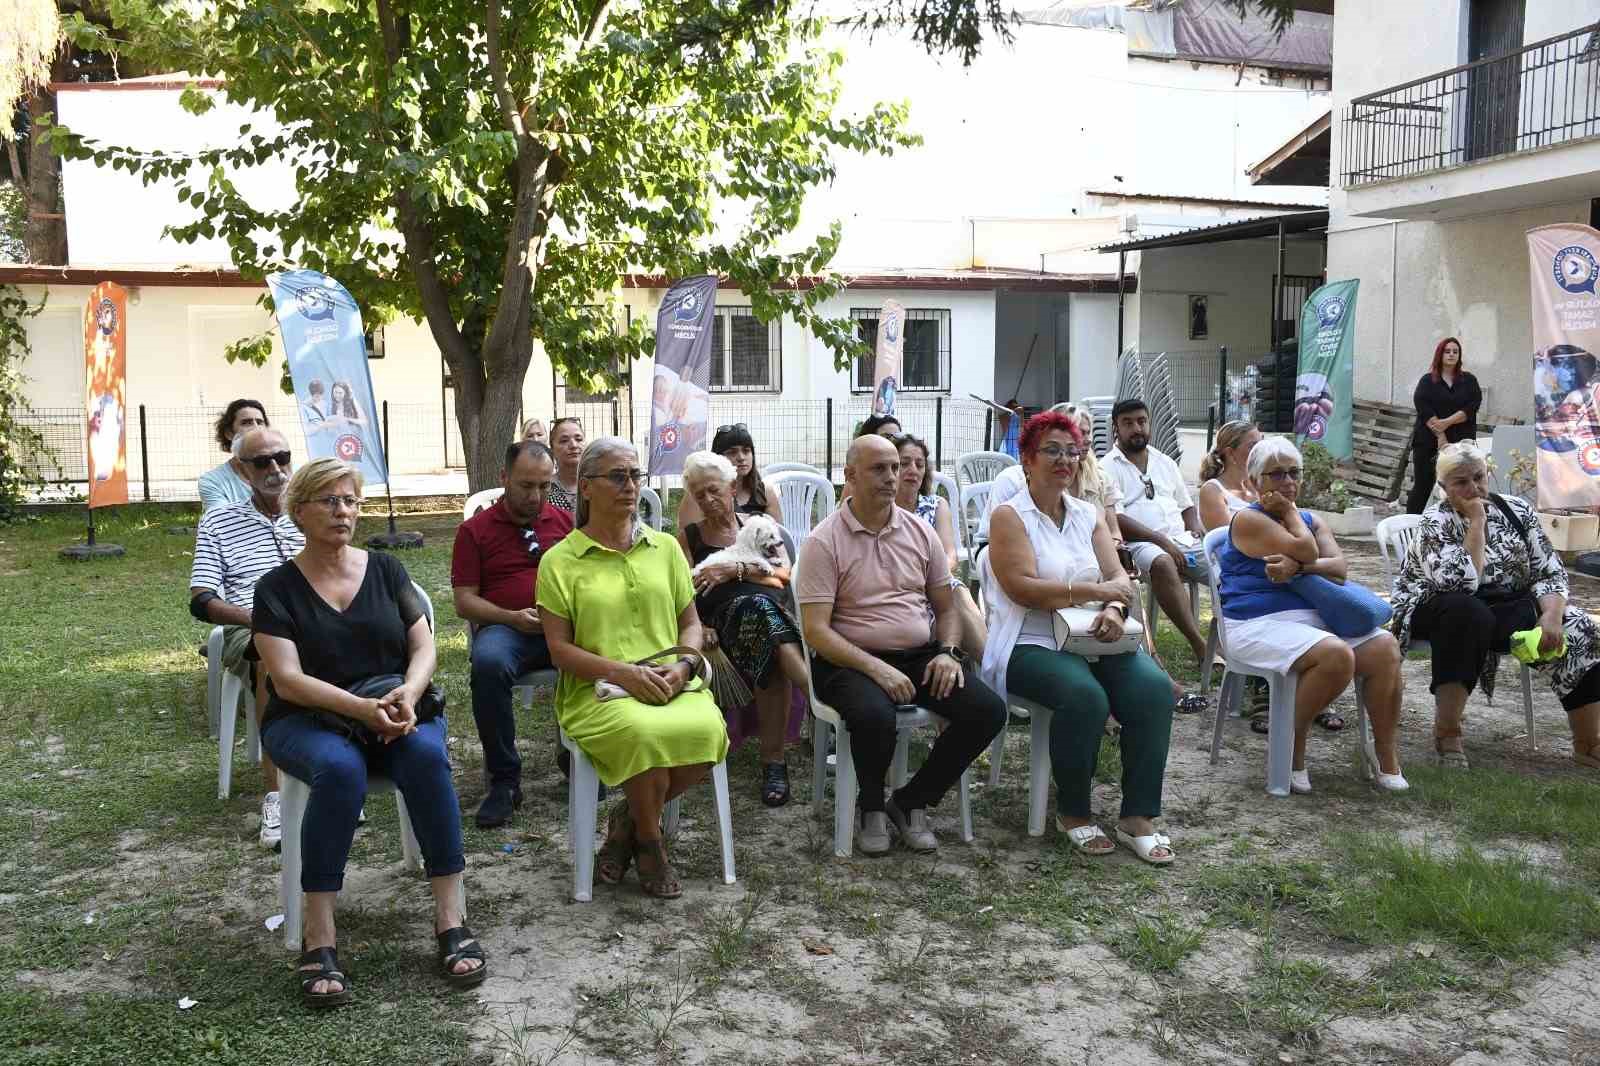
(234, 547)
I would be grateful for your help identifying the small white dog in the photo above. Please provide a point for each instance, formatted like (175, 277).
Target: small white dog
(759, 546)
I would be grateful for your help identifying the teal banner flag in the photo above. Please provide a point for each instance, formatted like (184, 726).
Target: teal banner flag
(322, 338)
(1324, 390)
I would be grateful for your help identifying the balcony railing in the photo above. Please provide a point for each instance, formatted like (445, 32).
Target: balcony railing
(1546, 93)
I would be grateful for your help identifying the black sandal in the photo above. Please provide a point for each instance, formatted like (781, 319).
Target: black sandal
(775, 784)
(1259, 723)
(1330, 721)
(326, 961)
(457, 945)
(1193, 703)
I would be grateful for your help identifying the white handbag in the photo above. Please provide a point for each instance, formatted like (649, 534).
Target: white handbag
(1072, 634)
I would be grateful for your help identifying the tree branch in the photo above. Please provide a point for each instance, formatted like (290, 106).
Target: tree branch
(498, 77)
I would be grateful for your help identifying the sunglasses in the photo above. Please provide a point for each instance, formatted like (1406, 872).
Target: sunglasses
(730, 428)
(264, 462)
(1149, 488)
(620, 478)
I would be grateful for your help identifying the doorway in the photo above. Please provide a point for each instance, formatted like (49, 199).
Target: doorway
(1494, 89)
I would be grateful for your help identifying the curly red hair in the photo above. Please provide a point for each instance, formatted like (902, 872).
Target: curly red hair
(1438, 357)
(1044, 423)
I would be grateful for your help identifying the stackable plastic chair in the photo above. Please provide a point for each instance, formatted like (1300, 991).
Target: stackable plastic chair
(975, 467)
(294, 794)
(480, 500)
(234, 695)
(947, 486)
(1038, 734)
(214, 679)
(1280, 688)
(974, 502)
(1397, 535)
(786, 468)
(650, 508)
(799, 493)
(844, 798)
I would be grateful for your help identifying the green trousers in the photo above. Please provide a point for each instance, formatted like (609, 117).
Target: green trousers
(1081, 694)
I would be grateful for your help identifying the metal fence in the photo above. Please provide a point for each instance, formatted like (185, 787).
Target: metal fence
(1542, 94)
(170, 447)
(1198, 374)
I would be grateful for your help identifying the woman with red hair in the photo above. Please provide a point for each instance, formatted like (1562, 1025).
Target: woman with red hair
(1447, 399)
(1049, 550)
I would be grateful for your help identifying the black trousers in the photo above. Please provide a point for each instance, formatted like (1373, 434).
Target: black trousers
(1465, 628)
(975, 713)
(1423, 457)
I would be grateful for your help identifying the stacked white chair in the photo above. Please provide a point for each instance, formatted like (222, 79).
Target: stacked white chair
(1397, 536)
(295, 794)
(844, 798)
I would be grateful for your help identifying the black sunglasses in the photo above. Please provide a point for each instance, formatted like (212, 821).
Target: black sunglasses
(1149, 488)
(734, 426)
(264, 462)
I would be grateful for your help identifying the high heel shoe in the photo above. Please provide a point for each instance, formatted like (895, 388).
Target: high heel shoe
(1387, 782)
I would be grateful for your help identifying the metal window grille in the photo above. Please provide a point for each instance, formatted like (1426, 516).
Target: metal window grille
(746, 353)
(925, 358)
(1545, 93)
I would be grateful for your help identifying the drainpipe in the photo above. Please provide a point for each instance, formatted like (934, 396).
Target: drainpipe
(1394, 287)
(1277, 293)
(1122, 296)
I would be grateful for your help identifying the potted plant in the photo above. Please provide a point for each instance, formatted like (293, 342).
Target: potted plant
(1325, 494)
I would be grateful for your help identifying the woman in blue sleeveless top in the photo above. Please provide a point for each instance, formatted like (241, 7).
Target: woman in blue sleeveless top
(1269, 626)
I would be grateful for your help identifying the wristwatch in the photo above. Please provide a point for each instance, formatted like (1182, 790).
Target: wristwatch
(954, 651)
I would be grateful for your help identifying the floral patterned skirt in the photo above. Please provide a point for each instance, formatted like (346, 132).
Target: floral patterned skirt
(749, 630)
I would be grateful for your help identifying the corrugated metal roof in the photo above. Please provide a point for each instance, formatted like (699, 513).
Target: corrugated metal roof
(1233, 230)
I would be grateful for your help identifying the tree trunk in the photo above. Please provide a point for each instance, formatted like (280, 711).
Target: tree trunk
(44, 238)
(487, 406)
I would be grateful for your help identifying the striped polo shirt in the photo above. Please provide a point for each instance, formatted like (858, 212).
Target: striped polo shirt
(235, 545)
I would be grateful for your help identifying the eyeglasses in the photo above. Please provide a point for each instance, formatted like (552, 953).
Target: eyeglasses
(732, 427)
(1291, 474)
(264, 462)
(1149, 488)
(619, 478)
(333, 503)
(1055, 452)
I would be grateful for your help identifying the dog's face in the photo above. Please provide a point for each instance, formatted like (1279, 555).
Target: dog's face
(760, 534)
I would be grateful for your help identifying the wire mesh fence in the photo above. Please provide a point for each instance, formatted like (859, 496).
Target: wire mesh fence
(1197, 374)
(168, 448)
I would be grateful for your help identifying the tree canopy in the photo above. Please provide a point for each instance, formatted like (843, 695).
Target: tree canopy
(493, 169)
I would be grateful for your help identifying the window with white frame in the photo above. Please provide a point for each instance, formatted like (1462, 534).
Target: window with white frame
(924, 357)
(746, 353)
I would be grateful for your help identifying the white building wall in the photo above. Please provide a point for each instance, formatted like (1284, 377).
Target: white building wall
(1094, 344)
(1236, 278)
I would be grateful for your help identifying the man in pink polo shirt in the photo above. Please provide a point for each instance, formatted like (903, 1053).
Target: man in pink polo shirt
(493, 572)
(881, 622)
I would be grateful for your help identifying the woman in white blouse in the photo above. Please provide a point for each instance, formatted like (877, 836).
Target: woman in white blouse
(1049, 550)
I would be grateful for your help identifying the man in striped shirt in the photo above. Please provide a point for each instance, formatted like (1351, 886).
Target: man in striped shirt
(235, 545)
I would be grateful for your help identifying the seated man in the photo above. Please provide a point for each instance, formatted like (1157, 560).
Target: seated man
(493, 571)
(881, 621)
(234, 546)
(1159, 521)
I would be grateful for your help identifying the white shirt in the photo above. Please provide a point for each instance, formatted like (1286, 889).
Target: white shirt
(1163, 513)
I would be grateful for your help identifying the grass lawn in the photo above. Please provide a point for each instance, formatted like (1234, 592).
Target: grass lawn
(1460, 919)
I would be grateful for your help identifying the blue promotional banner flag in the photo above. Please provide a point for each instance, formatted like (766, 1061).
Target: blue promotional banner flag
(1324, 390)
(680, 393)
(322, 336)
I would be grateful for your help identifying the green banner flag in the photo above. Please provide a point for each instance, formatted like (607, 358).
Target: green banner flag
(1324, 390)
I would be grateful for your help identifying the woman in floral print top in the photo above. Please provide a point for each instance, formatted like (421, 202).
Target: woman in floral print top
(1471, 580)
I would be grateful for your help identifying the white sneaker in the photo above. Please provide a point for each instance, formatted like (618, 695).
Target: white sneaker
(271, 822)
(1299, 782)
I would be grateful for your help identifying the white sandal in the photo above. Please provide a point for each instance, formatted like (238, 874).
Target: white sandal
(1081, 837)
(1143, 846)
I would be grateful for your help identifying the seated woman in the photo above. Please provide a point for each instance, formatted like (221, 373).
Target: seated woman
(747, 615)
(1270, 626)
(1481, 569)
(882, 425)
(914, 493)
(533, 429)
(752, 494)
(612, 593)
(1049, 550)
(566, 444)
(349, 659)
(1225, 488)
(1088, 483)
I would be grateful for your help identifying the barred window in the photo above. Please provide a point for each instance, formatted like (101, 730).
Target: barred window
(746, 353)
(924, 357)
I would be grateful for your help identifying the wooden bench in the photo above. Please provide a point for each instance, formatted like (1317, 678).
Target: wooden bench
(1381, 438)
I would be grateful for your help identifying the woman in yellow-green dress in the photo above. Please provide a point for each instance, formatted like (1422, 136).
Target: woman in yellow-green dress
(612, 592)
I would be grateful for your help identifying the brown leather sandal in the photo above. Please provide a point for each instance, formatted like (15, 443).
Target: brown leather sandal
(661, 881)
(611, 861)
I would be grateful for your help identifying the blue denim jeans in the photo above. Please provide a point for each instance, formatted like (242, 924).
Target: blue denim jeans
(500, 655)
(336, 768)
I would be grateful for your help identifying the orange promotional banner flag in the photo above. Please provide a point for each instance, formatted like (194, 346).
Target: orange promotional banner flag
(105, 352)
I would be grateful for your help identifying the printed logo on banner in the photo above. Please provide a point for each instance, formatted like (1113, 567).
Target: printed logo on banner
(348, 448)
(669, 438)
(1331, 311)
(1575, 269)
(106, 317)
(688, 310)
(891, 329)
(316, 305)
(1589, 457)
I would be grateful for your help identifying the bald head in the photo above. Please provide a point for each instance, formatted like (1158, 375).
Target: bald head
(871, 471)
(865, 446)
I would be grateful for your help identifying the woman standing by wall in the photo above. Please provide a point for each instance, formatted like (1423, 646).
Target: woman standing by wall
(1447, 399)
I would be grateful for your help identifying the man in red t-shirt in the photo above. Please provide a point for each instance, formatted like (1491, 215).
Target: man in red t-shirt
(493, 572)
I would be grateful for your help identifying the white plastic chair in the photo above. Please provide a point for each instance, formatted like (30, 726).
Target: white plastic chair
(786, 468)
(294, 794)
(946, 485)
(974, 502)
(214, 679)
(583, 815)
(650, 508)
(844, 797)
(234, 691)
(480, 500)
(1397, 535)
(799, 495)
(1038, 734)
(975, 467)
(1280, 688)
